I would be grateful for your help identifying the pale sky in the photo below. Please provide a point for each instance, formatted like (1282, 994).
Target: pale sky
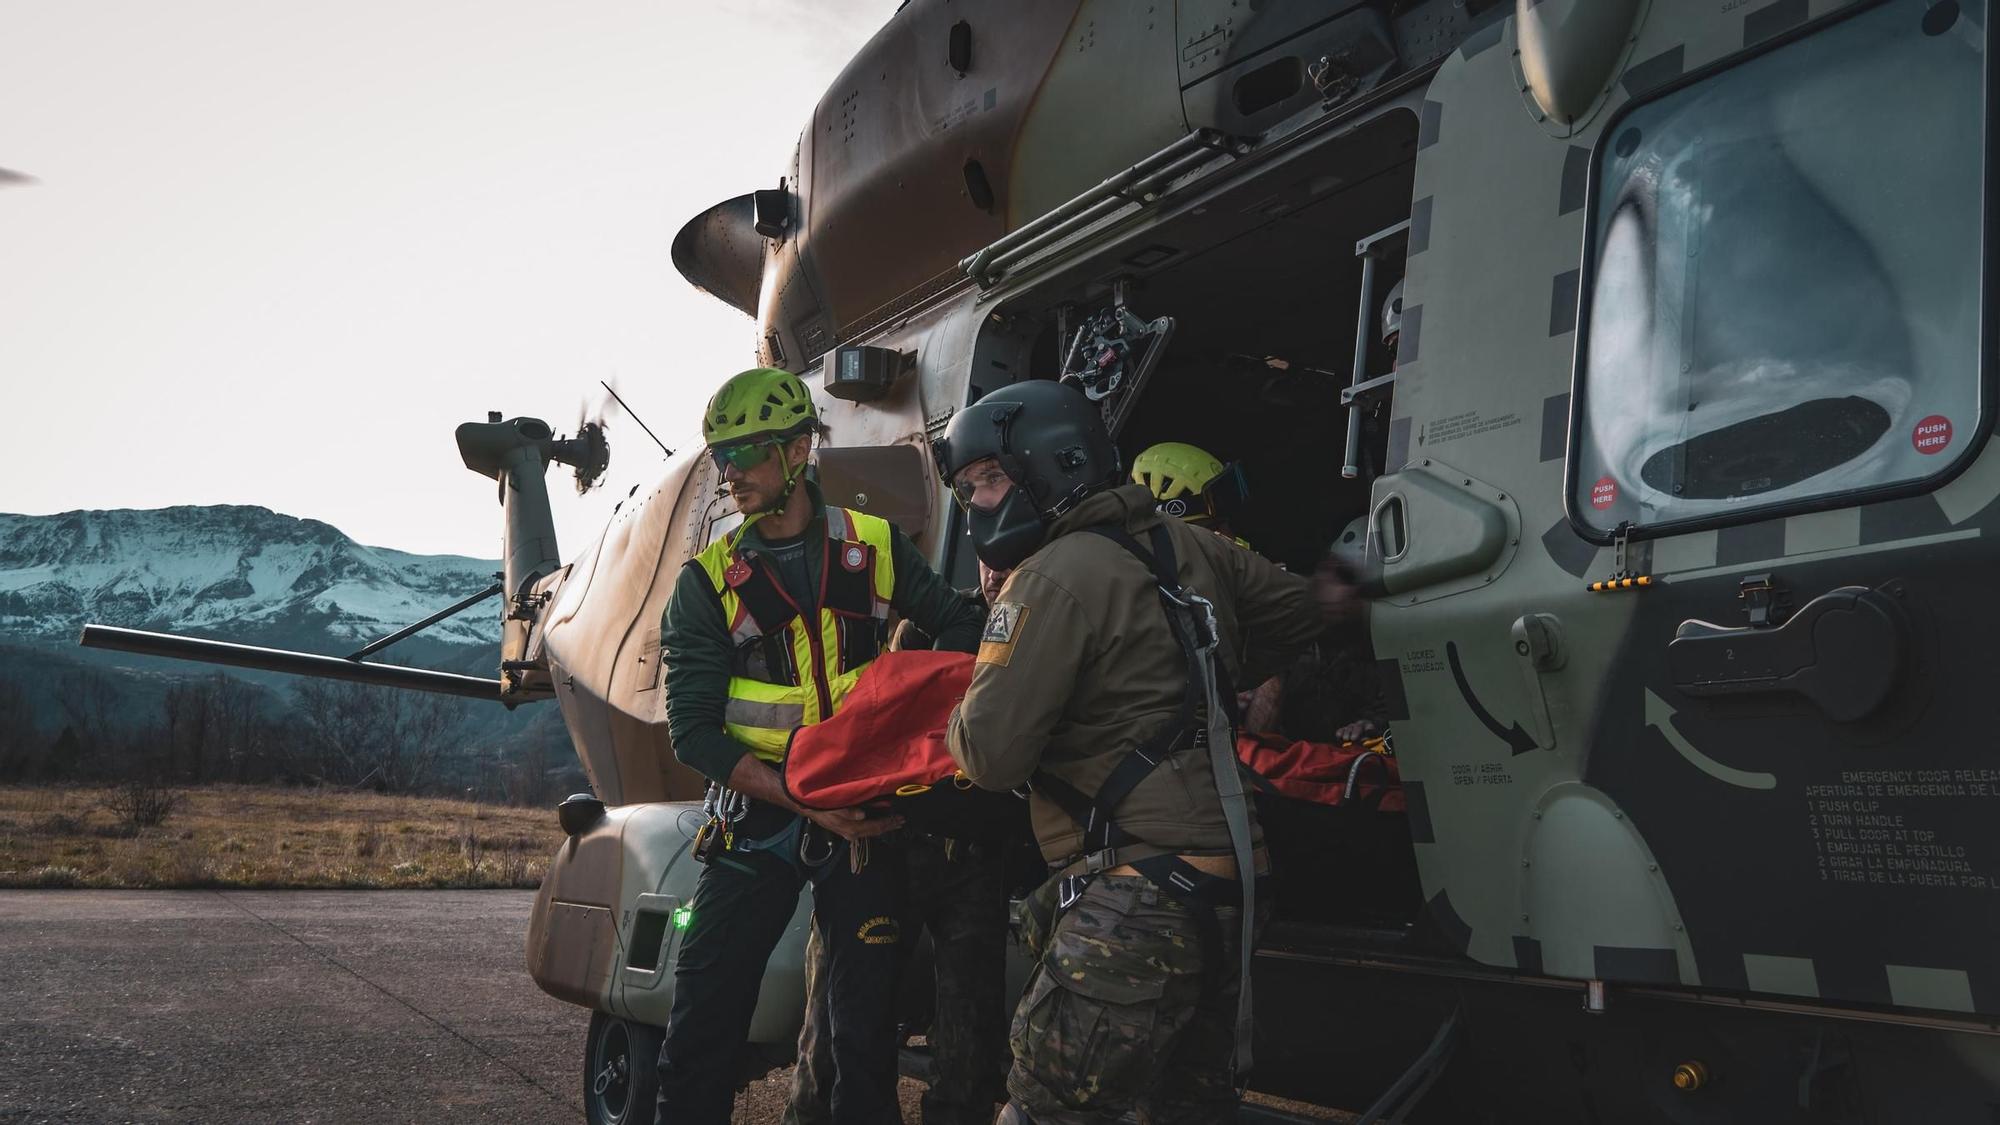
(276, 250)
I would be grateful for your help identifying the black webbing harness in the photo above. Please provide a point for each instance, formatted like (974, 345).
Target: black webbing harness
(1203, 722)
(846, 593)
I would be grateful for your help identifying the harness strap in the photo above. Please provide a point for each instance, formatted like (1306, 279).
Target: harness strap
(1124, 777)
(1160, 560)
(769, 608)
(1191, 619)
(1118, 847)
(763, 637)
(1204, 894)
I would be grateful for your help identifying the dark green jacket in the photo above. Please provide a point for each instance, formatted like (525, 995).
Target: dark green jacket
(694, 640)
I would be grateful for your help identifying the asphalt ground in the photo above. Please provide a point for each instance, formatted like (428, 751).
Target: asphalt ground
(367, 1006)
(329, 1007)
(288, 1006)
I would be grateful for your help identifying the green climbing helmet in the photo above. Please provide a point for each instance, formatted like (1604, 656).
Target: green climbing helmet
(1175, 468)
(762, 402)
(1187, 481)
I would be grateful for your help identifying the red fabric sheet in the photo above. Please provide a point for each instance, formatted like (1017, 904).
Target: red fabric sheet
(888, 733)
(1319, 771)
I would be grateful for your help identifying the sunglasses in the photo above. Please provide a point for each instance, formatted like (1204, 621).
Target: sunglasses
(745, 457)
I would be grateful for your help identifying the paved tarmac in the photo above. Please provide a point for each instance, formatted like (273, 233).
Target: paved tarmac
(268, 1006)
(320, 1007)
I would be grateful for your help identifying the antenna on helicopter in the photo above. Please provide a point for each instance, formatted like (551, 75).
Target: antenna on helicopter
(636, 418)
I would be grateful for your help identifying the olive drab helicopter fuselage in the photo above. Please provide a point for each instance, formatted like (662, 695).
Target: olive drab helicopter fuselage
(1671, 504)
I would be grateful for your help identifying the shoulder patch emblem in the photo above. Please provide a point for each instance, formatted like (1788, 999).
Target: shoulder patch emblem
(1003, 627)
(854, 558)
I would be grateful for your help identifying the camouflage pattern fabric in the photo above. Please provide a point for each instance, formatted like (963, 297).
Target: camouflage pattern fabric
(957, 891)
(1115, 1018)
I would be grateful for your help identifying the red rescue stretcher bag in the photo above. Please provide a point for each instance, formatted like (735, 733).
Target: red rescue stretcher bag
(885, 749)
(1325, 773)
(1335, 818)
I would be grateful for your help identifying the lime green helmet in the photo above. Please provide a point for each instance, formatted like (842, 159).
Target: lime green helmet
(761, 402)
(1175, 468)
(1188, 481)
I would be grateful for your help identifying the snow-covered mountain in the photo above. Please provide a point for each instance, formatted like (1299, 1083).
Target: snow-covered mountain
(239, 573)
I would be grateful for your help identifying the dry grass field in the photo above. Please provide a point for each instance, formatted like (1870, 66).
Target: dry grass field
(242, 836)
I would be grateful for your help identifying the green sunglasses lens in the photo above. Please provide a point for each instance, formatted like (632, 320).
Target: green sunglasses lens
(744, 457)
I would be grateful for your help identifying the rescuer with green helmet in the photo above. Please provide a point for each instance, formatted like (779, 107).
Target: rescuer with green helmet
(767, 630)
(1192, 484)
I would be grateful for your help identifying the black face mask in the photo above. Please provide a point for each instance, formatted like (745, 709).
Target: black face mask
(1005, 537)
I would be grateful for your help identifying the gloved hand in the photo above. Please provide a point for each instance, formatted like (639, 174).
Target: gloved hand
(1335, 593)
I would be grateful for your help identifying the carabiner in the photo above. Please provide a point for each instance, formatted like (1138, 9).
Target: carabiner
(806, 834)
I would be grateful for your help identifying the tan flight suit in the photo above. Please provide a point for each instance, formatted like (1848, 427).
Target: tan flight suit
(1078, 665)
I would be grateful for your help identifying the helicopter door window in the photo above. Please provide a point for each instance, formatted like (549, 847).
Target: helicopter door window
(1781, 301)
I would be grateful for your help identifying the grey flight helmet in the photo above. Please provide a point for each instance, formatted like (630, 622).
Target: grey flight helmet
(1392, 316)
(1050, 440)
(1350, 547)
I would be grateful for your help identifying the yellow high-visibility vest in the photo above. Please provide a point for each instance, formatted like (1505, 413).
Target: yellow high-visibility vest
(787, 671)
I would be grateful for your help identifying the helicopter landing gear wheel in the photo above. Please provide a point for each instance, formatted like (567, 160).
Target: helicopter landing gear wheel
(620, 1082)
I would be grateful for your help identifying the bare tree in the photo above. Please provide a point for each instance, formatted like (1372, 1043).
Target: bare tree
(18, 736)
(527, 770)
(239, 731)
(212, 728)
(173, 712)
(201, 709)
(360, 733)
(87, 699)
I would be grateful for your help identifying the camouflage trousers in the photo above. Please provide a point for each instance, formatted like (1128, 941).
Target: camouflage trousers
(1118, 1015)
(958, 893)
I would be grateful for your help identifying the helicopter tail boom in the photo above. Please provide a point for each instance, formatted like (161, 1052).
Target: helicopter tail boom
(287, 661)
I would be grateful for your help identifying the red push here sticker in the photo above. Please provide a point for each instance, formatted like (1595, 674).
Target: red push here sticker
(1604, 493)
(1932, 434)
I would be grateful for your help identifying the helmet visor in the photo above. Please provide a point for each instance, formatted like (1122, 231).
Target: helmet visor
(981, 486)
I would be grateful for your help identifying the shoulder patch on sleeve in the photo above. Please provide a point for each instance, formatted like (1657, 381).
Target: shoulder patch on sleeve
(1003, 627)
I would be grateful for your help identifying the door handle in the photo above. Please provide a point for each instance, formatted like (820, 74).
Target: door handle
(1844, 651)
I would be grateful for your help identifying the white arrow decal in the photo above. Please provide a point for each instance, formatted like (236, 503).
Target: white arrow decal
(1661, 714)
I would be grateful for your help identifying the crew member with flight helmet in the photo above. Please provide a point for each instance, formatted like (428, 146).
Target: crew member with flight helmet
(1392, 323)
(766, 631)
(1101, 684)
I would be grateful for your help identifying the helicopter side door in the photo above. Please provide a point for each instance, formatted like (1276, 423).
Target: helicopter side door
(1751, 414)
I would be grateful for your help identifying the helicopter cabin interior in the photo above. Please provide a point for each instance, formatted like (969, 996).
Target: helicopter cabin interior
(1262, 280)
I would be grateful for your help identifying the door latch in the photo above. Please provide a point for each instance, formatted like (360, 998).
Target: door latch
(1764, 601)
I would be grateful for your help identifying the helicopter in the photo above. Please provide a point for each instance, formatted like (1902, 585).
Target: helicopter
(1671, 505)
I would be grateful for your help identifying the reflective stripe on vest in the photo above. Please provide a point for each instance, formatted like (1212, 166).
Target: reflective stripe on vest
(857, 579)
